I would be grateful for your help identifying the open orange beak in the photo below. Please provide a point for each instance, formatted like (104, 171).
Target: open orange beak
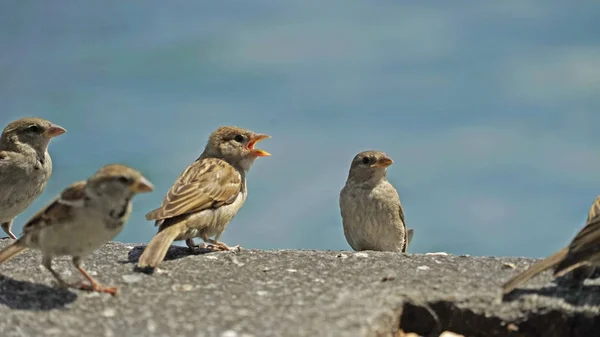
(53, 131)
(253, 141)
(142, 185)
(383, 162)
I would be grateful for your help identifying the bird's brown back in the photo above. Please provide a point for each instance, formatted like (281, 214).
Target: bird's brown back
(207, 183)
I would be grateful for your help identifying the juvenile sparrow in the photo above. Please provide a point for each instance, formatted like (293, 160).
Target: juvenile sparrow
(582, 254)
(372, 214)
(206, 196)
(25, 165)
(85, 216)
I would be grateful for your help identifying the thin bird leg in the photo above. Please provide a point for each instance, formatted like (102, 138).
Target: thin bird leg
(93, 284)
(191, 245)
(47, 262)
(6, 227)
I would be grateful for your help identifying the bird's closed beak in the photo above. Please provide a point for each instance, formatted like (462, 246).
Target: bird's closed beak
(255, 139)
(142, 185)
(53, 131)
(383, 162)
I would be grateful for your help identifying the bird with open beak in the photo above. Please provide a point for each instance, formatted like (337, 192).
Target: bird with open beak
(25, 165)
(372, 214)
(206, 196)
(84, 217)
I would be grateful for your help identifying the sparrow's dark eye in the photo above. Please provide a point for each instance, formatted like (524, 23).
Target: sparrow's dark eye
(239, 138)
(365, 160)
(125, 180)
(34, 129)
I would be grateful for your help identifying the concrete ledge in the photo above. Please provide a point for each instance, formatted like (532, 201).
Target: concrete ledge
(291, 293)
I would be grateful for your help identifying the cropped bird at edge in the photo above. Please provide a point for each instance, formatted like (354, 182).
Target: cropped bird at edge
(372, 214)
(84, 217)
(25, 165)
(582, 255)
(206, 196)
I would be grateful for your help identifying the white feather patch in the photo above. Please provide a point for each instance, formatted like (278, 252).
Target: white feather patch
(72, 203)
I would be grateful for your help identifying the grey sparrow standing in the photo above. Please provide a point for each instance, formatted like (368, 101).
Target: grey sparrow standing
(372, 214)
(582, 254)
(25, 165)
(84, 217)
(206, 196)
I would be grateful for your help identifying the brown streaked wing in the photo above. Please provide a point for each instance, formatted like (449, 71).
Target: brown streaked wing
(582, 249)
(406, 242)
(207, 183)
(402, 215)
(589, 236)
(58, 210)
(594, 210)
(585, 245)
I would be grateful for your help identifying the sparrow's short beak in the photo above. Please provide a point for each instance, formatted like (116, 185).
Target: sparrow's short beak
(383, 162)
(255, 139)
(142, 185)
(53, 131)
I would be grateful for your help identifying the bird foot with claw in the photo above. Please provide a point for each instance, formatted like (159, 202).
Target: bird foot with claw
(95, 287)
(220, 246)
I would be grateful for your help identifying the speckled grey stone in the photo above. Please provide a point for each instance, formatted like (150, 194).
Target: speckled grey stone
(290, 293)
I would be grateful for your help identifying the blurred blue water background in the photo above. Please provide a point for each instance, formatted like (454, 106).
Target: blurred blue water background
(489, 109)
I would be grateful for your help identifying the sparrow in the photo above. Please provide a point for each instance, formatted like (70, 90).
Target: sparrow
(372, 214)
(85, 216)
(25, 165)
(206, 196)
(582, 254)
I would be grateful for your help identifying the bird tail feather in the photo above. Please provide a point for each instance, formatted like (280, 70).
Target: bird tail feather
(157, 249)
(537, 268)
(409, 235)
(12, 250)
(559, 272)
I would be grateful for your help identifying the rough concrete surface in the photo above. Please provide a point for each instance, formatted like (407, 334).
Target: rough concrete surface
(291, 293)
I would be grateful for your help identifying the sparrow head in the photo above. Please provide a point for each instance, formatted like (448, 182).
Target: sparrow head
(118, 181)
(29, 132)
(236, 145)
(368, 165)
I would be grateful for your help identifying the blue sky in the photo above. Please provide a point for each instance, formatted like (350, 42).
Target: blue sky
(490, 110)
